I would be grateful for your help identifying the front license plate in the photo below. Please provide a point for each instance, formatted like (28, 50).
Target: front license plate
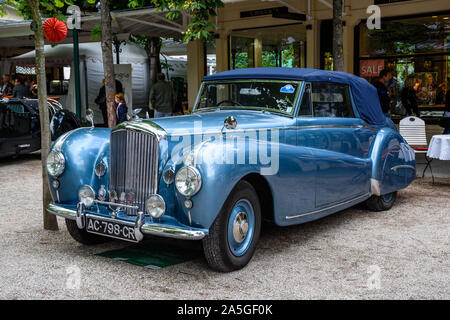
(110, 228)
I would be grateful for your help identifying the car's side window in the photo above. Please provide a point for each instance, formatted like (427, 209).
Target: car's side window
(305, 109)
(331, 100)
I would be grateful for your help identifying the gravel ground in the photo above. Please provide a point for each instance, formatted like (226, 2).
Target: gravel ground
(406, 248)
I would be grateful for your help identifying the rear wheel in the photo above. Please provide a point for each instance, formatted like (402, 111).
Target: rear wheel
(381, 203)
(82, 236)
(233, 236)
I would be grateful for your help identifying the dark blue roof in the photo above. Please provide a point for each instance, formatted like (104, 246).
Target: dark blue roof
(364, 94)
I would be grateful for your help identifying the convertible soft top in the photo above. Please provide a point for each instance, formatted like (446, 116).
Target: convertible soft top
(364, 94)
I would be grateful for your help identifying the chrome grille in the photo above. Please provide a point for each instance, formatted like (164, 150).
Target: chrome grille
(134, 166)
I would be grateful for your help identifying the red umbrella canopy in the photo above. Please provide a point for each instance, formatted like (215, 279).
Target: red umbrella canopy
(54, 30)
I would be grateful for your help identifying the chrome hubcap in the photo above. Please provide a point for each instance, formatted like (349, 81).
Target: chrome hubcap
(240, 227)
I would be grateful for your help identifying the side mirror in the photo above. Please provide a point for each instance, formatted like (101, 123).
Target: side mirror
(90, 116)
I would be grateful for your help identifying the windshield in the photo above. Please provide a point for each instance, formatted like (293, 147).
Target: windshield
(271, 95)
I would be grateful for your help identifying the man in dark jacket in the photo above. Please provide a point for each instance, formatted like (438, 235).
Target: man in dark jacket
(383, 95)
(19, 91)
(162, 97)
(6, 88)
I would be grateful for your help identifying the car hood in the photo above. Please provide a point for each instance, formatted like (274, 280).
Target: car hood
(211, 122)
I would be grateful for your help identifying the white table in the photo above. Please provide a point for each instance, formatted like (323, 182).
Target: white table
(439, 147)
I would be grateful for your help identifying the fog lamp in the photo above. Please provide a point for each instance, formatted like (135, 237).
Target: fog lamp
(86, 195)
(155, 206)
(100, 169)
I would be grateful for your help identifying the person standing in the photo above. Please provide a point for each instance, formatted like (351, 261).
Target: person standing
(101, 99)
(409, 97)
(383, 95)
(162, 97)
(19, 90)
(121, 109)
(6, 88)
(445, 120)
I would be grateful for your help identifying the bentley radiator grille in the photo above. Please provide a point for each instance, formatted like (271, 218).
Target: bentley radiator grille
(134, 167)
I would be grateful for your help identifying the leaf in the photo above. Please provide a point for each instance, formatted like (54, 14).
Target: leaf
(59, 3)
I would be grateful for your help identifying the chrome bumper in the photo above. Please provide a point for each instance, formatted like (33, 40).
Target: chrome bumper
(141, 228)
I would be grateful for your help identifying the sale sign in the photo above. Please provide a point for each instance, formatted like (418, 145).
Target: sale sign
(371, 68)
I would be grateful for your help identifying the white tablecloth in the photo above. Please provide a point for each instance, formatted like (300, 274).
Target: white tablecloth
(439, 147)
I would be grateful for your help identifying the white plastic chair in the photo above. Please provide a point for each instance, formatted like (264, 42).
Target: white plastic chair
(413, 131)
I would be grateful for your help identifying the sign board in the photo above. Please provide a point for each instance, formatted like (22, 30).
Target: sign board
(263, 12)
(370, 68)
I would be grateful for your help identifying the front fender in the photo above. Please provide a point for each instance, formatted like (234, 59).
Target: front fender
(221, 165)
(82, 148)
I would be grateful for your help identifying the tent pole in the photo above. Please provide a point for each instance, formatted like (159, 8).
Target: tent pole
(76, 66)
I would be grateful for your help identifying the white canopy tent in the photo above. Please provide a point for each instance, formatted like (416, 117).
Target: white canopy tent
(91, 71)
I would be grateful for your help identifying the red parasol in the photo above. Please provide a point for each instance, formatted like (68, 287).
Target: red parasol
(54, 30)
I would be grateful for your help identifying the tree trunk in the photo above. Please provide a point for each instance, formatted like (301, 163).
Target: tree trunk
(153, 49)
(108, 62)
(50, 222)
(338, 31)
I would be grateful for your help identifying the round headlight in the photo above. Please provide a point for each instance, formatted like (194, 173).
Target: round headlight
(100, 169)
(86, 195)
(155, 206)
(188, 181)
(55, 163)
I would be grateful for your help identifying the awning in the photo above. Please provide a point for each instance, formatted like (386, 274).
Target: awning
(144, 21)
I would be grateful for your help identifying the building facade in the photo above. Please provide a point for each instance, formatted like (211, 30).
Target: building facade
(413, 40)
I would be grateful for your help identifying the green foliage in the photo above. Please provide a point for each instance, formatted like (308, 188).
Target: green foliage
(96, 33)
(199, 10)
(49, 8)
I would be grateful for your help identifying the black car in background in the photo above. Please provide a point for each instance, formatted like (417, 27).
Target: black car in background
(20, 129)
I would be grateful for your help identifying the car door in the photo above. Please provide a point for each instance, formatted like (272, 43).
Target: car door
(15, 132)
(339, 142)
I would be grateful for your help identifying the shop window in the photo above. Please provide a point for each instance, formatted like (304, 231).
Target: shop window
(406, 36)
(210, 57)
(242, 52)
(417, 53)
(331, 100)
(282, 46)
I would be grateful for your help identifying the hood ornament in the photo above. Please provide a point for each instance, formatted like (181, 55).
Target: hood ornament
(230, 122)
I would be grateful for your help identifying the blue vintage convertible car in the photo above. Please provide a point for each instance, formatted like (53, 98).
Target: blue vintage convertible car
(289, 145)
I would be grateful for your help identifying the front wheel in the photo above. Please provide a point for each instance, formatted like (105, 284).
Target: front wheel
(234, 234)
(381, 203)
(82, 236)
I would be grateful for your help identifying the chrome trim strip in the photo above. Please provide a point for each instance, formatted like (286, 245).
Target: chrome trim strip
(172, 232)
(327, 208)
(403, 166)
(142, 126)
(375, 187)
(116, 204)
(180, 134)
(147, 228)
(61, 212)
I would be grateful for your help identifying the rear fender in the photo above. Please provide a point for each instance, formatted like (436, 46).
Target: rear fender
(394, 165)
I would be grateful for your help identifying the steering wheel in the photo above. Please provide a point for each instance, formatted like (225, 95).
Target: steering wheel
(232, 101)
